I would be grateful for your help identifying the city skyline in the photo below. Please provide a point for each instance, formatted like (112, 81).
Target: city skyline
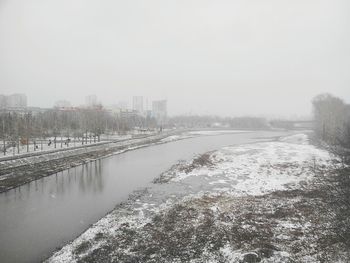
(174, 131)
(128, 104)
(222, 59)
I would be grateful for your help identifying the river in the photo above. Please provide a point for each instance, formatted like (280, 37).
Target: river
(41, 216)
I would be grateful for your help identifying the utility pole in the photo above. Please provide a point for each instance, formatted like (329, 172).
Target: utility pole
(17, 136)
(3, 133)
(55, 129)
(27, 121)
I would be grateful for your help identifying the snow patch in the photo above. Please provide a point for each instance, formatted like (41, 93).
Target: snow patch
(217, 132)
(252, 169)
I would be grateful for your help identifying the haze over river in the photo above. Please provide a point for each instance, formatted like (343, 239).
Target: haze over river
(43, 215)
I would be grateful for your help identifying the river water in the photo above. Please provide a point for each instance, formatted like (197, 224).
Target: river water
(39, 217)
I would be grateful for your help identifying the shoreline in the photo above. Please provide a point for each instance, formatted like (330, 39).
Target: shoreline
(23, 171)
(149, 215)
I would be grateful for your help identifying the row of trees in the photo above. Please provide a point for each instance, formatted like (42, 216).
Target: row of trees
(86, 124)
(212, 121)
(332, 120)
(332, 126)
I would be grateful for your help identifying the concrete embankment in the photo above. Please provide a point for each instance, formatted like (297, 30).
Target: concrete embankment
(17, 171)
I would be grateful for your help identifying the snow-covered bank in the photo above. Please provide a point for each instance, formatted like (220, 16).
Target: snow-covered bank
(19, 171)
(217, 132)
(63, 143)
(51, 154)
(191, 134)
(225, 206)
(258, 168)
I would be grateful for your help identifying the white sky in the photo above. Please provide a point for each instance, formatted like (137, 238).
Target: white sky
(227, 57)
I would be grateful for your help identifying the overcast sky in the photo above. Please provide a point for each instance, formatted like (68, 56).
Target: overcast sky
(227, 57)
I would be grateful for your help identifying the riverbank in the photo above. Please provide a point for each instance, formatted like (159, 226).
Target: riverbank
(250, 203)
(20, 170)
(17, 171)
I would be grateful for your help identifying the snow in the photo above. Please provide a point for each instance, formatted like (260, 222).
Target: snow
(296, 139)
(51, 154)
(251, 169)
(177, 137)
(216, 132)
(256, 169)
(43, 144)
(192, 134)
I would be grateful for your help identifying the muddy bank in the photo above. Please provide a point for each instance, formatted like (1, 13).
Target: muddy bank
(252, 203)
(18, 172)
(283, 226)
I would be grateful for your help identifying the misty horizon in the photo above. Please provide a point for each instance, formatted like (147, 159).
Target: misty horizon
(228, 58)
(174, 131)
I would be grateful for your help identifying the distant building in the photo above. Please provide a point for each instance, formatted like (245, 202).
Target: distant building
(122, 105)
(137, 104)
(91, 101)
(159, 111)
(63, 104)
(13, 101)
(128, 114)
(3, 101)
(148, 114)
(17, 100)
(24, 110)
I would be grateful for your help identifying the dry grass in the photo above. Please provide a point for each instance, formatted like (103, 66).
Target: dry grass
(258, 226)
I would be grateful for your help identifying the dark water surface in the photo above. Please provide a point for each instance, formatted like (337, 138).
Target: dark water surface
(38, 217)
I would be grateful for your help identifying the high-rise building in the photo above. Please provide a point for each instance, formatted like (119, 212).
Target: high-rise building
(13, 101)
(159, 110)
(91, 101)
(137, 104)
(3, 101)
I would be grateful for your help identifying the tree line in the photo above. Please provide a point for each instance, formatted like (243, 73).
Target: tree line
(332, 129)
(85, 124)
(196, 121)
(332, 120)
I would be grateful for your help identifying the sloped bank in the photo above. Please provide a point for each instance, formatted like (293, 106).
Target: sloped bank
(20, 171)
(252, 203)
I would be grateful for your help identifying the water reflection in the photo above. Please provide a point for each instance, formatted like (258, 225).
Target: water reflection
(90, 177)
(57, 208)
